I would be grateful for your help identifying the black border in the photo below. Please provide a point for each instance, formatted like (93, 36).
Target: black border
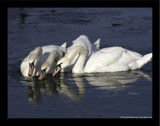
(80, 3)
(154, 4)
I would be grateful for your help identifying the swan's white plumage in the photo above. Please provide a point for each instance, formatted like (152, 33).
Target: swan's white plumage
(49, 65)
(114, 59)
(83, 41)
(110, 59)
(46, 50)
(96, 45)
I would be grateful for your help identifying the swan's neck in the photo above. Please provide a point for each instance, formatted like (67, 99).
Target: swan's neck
(54, 56)
(36, 54)
(51, 61)
(79, 65)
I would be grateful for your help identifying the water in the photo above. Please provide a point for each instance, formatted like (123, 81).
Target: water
(104, 95)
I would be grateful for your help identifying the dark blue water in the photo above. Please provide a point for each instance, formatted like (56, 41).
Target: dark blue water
(105, 95)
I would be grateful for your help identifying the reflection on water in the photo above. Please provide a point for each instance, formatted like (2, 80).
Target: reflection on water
(114, 82)
(87, 95)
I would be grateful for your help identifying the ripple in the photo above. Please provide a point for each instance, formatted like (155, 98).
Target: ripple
(134, 93)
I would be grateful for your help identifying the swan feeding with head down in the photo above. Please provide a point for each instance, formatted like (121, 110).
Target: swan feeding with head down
(49, 65)
(31, 65)
(111, 59)
(83, 41)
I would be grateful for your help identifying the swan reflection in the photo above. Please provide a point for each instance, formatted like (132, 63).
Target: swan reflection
(69, 91)
(52, 86)
(116, 80)
(37, 88)
(74, 86)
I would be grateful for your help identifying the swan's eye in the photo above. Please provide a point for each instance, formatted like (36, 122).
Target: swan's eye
(31, 64)
(63, 54)
(44, 70)
(58, 65)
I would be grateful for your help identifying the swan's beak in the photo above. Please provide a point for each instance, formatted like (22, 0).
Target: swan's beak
(57, 70)
(30, 92)
(31, 68)
(42, 75)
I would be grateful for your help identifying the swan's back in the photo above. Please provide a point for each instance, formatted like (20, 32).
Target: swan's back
(49, 48)
(83, 41)
(111, 59)
(129, 57)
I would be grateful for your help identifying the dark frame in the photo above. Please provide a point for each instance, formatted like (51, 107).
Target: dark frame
(4, 4)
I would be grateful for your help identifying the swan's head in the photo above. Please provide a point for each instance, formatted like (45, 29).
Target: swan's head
(45, 68)
(32, 63)
(50, 64)
(33, 59)
(61, 64)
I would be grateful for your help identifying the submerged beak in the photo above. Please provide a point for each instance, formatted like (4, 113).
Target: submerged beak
(42, 75)
(57, 70)
(31, 68)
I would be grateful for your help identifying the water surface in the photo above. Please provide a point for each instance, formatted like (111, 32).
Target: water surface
(102, 95)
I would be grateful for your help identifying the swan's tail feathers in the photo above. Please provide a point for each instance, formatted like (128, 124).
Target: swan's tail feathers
(64, 45)
(97, 43)
(145, 59)
(141, 62)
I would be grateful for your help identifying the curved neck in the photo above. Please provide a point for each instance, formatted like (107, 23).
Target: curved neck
(36, 53)
(35, 56)
(79, 65)
(54, 56)
(50, 62)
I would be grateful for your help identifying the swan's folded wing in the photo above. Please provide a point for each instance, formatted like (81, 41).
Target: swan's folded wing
(101, 59)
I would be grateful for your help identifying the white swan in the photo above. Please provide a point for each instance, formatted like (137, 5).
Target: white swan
(83, 41)
(110, 59)
(50, 64)
(30, 66)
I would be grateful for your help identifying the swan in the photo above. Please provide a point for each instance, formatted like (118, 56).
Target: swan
(111, 59)
(30, 66)
(50, 63)
(83, 41)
